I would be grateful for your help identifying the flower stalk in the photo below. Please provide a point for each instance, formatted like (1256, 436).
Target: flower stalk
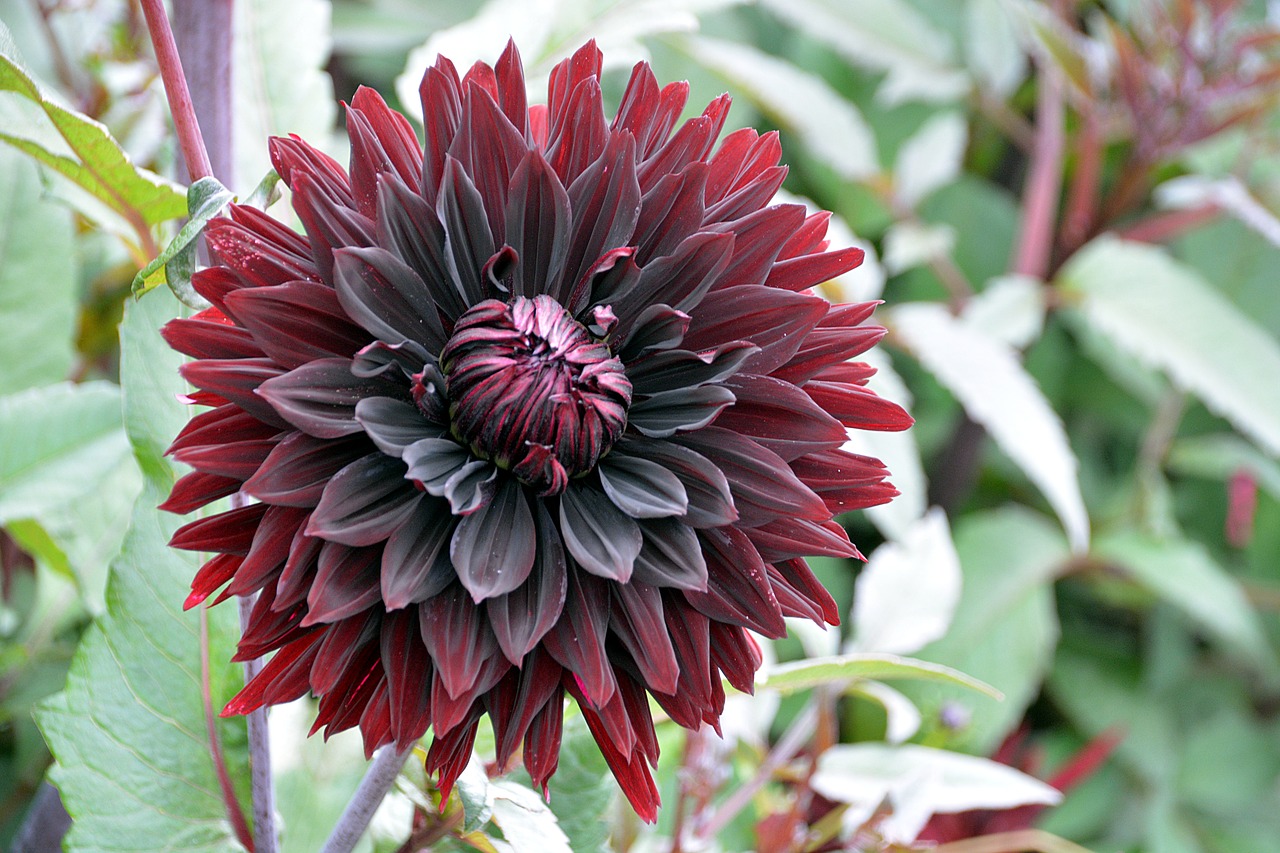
(373, 789)
(175, 87)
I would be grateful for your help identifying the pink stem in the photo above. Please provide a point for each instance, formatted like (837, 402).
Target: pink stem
(175, 87)
(1040, 196)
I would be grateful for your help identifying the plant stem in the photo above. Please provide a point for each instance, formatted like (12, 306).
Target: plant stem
(373, 788)
(175, 88)
(1040, 195)
(202, 29)
(234, 813)
(265, 838)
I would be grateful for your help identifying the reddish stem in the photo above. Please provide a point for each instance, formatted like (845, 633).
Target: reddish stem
(234, 813)
(1040, 195)
(1163, 227)
(175, 88)
(1082, 198)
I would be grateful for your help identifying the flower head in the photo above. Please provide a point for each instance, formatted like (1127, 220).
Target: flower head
(539, 407)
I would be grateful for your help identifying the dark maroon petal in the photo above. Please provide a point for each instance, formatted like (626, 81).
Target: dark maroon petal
(408, 668)
(586, 62)
(681, 279)
(385, 296)
(763, 486)
(393, 424)
(469, 242)
(605, 202)
(320, 397)
(451, 750)
(226, 424)
(710, 501)
(204, 336)
(578, 641)
(236, 381)
(229, 532)
(578, 133)
(599, 536)
(415, 561)
(736, 654)
(812, 270)
(758, 238)
(409, 227)
(381, 141)
(257, 251)
(631, 770)
(674, 369)
(512, 96)
(457, 637)
(691, 640)
(364, 502)
(827, 347)
(489, 147)
(441, 93)
(791, 601)
(346, 583)
(542, 742)
(493, 548)
(670, 213)
(749, 198)
(379, 357)
(779, 416)
(786, 538)
(295, 472)
(537, 224)
(659, 327)
(690, 143)
(298, 572)
(283, 679)
(523, 616)
(514, 710)
(197, 489)
(238, 459)
(664, 414)
(348, 647)
(637, 112)
(670, 556)
(796, 572)
(212, 575)
(640, 488)
(269, 628)
(296, 322)
(329, 223)
(269, 550)
(738, 590)
(639, 624)
(855, 406)
(775, 320)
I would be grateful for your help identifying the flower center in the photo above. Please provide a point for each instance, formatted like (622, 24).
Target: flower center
(530, 388)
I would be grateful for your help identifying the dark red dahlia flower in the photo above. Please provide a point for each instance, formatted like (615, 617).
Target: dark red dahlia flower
(539, 407)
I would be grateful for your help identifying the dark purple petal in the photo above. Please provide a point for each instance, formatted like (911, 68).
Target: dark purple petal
(293, 337)
(523, 616)
(659, 327)
(346, 583)
(457, 637)
(393, 424)
(537, 224)
(469, 242)
(858, 407)
(385, 296)
(415, 561)
(296, 471)
(364, 502)
(600, 537)
(237, 380)
(579, 133)
(432, 461)
(664, 414)
(670, 212)
(320, 397)
(710, 501)
(493, 548)
(774, 320)
(758, 239)
(408, 667)
(779, 416)
(206, 336)
(605, 202)
(489, 147)
(671, 555)
(681, 279)
(673, 369)
(640, 488)
(577, 641)
(409, 227)
(441, 94)
(738, 590)
(638, 622)
(763, 486)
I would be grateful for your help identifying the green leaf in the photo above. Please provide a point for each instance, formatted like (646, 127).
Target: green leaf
(1218, 457)
(835, 670)
(81, 150)
(1182, 573)
(582, 791)
(129, 732)
(1005, 627)
(205, 199)
(475, 796)
(931, 158)
(883, 35)
(278, 59)
(38, 287)
(1166, 315)
(56, 443)
(988, 379)
(825, 122)
(992, 51)
(527, 823)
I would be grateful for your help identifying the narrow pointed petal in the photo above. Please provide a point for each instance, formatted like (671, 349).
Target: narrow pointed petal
(493, 548)
(523, 616)
(365, 502)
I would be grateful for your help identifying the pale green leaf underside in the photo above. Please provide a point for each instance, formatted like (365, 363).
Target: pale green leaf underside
(839, 669)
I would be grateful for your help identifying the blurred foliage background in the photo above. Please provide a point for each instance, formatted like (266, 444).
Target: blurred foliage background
(1072, 212)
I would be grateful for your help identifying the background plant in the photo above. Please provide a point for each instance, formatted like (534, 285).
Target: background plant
(1074, 205)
